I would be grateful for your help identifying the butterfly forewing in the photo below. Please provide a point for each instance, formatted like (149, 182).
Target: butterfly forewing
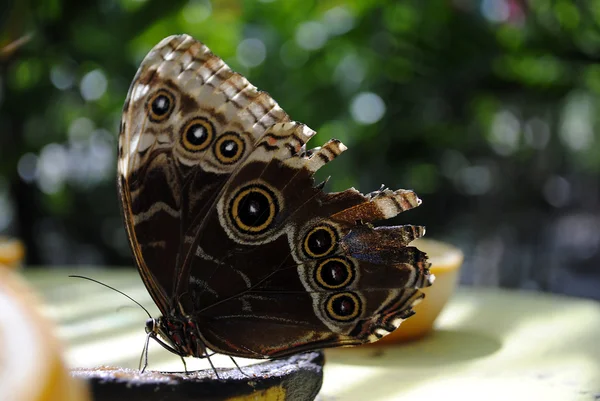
(228, 231)
(188, 121)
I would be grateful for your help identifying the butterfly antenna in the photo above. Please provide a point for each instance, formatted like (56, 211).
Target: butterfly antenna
(114, 289)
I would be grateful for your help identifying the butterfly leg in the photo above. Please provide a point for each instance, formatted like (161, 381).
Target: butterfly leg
(184, 364)
(238, 366)
(213, 366)
(144, 355)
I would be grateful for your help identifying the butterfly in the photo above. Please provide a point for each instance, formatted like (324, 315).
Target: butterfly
(241, 252)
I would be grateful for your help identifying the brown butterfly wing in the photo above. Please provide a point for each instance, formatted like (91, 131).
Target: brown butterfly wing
(188, 122)
(283, 267)
(227, 228)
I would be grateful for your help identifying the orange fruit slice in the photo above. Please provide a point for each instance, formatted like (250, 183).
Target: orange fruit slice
(12, 252)
(31, 364)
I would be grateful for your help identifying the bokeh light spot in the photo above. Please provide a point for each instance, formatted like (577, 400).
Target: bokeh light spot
(80, 129)
(27, 167)
(196, 11)
(61, 77)
(452, 162)
(350, 72)
(504, 135)
(367, 108)
(576, 129)
(93, 85)
(251, 52)
(311, 35)
(475, 180)
(52, 168)
(557, 191)
(25, 74)
(495, 10)
(338, 20)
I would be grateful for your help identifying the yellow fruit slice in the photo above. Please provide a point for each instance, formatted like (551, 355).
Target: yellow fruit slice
(31, 365)
(12, 252)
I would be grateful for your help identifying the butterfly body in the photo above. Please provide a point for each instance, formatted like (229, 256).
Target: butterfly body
(238, 248)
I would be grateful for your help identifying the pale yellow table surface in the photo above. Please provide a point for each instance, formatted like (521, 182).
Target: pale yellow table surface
(489, 344)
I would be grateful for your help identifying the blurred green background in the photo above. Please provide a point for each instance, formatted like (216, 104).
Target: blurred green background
(487, 108)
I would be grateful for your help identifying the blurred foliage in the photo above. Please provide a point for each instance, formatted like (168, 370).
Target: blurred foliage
(488, 109)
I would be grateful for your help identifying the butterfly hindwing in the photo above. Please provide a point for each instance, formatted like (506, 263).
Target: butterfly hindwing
(303, 267)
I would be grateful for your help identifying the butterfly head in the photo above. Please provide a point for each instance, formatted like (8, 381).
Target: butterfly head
(151, 326)
(179, 335)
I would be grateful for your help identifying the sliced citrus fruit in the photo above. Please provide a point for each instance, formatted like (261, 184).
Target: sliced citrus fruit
(31, 365)
(12, 252)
